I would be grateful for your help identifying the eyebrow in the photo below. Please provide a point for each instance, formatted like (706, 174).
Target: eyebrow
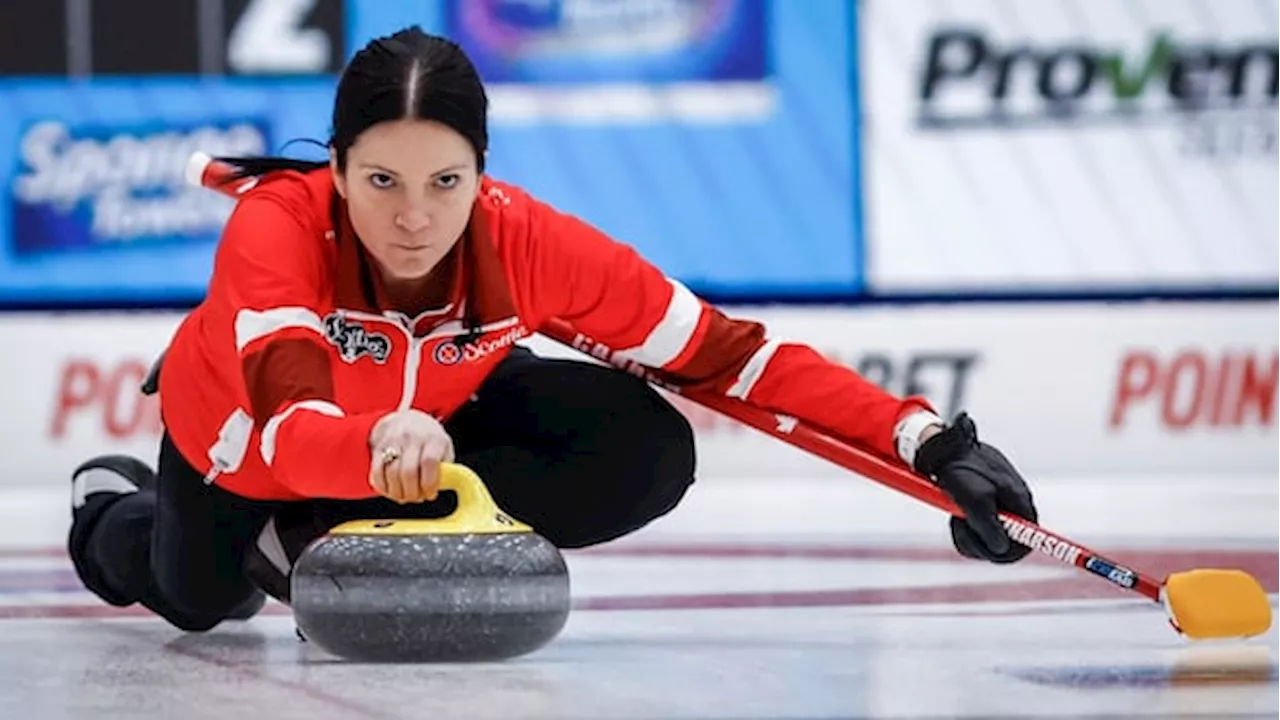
(389, 171)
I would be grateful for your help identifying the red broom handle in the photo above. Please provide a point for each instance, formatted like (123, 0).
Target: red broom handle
(868, 464)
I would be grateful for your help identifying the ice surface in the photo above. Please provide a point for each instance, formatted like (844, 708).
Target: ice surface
(716, 613)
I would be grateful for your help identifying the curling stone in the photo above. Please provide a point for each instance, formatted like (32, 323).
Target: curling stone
(475, 585)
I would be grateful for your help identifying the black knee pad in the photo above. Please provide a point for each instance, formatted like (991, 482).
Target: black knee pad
(87, 519)
(128, 531)
(127, 466)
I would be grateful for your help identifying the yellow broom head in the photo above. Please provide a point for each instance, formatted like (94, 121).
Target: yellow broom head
(1208, 604)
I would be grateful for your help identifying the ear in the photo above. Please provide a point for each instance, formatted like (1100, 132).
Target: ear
(339, 181)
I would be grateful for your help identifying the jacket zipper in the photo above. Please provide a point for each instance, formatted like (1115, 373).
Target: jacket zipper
(411, 362)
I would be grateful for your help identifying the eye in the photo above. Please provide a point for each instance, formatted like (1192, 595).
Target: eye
(381, 181)
(448, 181)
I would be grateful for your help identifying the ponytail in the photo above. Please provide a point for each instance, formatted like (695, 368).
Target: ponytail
(261, 165)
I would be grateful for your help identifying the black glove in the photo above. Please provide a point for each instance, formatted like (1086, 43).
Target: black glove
(981, 481)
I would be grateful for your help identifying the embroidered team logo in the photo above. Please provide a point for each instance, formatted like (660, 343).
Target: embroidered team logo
(453, 352)
(353, 341)
(448, 353)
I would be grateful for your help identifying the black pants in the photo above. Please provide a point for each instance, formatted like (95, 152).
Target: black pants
(582, 453)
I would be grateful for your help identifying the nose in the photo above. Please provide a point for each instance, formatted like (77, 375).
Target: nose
(413, 219)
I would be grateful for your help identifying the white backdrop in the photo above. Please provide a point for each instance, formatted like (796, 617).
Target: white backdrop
(1166, 389)
(1069, 145)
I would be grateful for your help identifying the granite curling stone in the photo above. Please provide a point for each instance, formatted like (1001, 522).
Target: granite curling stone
(476, 585)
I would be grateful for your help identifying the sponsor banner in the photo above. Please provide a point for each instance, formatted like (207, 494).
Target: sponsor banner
(612, 41)
(94, 207)
(1162, 390)
(1169, 389)
(73, 392)
(1156, 390)
(619, 61)
(1068, 146)
(1193, 388)
(678, 136)
(83, 189)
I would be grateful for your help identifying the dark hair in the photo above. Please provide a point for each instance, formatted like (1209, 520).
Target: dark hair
(406, 75)
(410, 74)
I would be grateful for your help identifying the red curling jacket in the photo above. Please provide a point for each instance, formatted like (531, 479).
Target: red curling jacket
(272, 385)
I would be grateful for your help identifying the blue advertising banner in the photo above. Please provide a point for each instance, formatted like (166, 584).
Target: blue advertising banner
(102, 187)
(715, 136)
(94, 207)
(601, 41)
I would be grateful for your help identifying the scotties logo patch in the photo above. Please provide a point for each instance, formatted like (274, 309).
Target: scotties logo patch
(353, 341)
(448, 353)
(462, 348)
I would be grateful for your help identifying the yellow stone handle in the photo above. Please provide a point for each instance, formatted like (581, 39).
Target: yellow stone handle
(476, 512)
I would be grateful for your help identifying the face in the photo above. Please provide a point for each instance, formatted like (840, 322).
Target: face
(409, 187)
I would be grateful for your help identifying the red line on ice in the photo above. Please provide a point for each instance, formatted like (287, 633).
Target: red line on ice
(1261, 563)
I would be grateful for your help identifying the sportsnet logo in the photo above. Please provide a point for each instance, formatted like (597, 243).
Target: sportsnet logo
(102, 187)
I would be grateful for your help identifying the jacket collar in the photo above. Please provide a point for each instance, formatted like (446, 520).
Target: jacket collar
(479, 289)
